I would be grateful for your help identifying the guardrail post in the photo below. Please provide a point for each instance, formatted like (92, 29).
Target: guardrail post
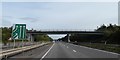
(5, 57)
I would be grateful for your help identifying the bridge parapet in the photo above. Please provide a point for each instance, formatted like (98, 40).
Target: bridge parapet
(65, 30)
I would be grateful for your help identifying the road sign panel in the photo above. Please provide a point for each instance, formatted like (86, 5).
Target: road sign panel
(19, 31)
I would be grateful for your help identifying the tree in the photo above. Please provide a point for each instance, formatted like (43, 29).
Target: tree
(111, 33)
(42, 37)
(6, 34)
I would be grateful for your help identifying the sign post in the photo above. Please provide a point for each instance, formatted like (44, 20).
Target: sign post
(19, 32)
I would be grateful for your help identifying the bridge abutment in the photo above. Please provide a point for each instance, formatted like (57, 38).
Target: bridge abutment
(30, 37)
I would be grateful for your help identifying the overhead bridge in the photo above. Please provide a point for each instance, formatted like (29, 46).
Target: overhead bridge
(64, 32)
(68, 32)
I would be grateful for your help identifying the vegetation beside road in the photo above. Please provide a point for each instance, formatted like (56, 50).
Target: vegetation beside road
(41, 37)
(109, 41)
(107, 47)
(0, 35)
(111, 36)
(6, 35)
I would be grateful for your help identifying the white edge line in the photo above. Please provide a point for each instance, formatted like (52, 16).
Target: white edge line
(47, 52)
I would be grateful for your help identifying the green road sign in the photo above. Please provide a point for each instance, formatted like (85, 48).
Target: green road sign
(19, 31)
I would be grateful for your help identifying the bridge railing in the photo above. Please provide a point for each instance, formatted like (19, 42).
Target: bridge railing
(65, 30)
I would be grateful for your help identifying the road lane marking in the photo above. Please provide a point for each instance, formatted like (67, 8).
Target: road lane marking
(47, 52)
(74, 50)
(96, 49)
(67, 47)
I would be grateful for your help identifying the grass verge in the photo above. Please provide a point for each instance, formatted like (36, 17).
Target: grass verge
(107, 47)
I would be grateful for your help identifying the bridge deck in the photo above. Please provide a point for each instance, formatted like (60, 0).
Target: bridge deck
(65, 32)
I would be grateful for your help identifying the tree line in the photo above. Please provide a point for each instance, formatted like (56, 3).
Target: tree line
(6, 35)
(111, 35)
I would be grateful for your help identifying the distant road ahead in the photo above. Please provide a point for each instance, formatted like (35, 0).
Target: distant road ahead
(66, 50)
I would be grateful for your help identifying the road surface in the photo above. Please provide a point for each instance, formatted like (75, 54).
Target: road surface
(62, 50)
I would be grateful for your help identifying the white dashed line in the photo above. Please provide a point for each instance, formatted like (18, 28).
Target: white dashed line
(74, 50)
(75, 45)
(47, 52)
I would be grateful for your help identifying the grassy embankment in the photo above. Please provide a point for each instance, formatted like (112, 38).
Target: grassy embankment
(107, 47)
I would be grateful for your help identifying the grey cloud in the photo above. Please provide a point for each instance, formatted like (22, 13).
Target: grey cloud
(7, 16)
(29, 19)
(6, 23)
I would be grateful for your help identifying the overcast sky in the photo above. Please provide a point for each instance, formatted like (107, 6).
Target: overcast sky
(60, 0)
(59, 15)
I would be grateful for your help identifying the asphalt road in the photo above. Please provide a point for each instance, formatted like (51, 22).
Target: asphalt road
(62, 50)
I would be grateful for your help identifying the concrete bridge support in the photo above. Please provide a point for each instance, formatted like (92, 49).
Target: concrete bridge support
(68, 35)
(30, 38)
